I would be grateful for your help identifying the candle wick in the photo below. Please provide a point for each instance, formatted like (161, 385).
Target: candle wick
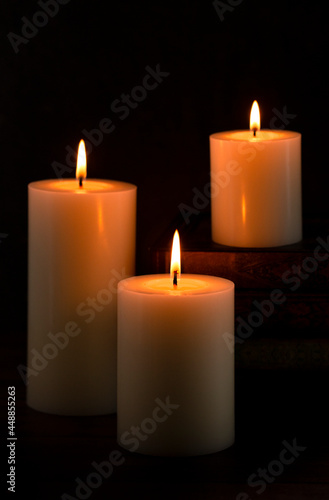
(175, 278)
(80, 181)
(255, 132)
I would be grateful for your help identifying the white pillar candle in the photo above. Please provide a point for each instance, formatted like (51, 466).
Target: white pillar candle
(175, 369)
(256, 187)
(81, 242)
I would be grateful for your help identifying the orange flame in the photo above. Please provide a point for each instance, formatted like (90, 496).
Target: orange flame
(255, 116)
(81, 170)
(175, 256)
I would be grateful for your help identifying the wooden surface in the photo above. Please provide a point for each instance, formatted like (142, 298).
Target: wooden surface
(249, 268)
(295, 333)
(272, 406)
(282, 376)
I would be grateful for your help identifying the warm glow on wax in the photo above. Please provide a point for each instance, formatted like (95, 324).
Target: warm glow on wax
(175, 257)
(81, 171)
(255, 117)
(81, 238)
(261, 204)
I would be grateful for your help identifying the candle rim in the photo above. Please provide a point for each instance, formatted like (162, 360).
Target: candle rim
(227, 285)
(283, 135)
(109, 186)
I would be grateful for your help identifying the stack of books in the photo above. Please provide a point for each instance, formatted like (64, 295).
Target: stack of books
(281, 293)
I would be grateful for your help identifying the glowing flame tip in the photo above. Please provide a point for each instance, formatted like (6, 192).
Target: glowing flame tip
(175, 257)
(255, 117)
(81, 170)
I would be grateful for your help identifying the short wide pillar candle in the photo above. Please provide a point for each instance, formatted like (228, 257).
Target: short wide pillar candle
(175, 365)
(81, 243)
(256, 188)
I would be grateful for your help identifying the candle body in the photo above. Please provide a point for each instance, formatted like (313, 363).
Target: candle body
(172, 350)
(256, 188)
(81, 242)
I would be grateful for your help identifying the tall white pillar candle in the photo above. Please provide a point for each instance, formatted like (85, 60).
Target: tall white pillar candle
(256, 188)
(81, 242)
(175, 365)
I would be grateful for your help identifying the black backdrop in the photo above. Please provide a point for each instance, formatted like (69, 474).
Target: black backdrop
(67, 74)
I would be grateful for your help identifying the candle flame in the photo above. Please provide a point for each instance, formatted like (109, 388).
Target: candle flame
(81, 171)
(175, 257)
(255, 117)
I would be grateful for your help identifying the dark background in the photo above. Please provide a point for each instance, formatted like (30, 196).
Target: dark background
(67, 76)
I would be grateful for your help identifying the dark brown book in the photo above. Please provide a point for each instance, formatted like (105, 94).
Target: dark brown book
(281, 293)
(302, 266)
